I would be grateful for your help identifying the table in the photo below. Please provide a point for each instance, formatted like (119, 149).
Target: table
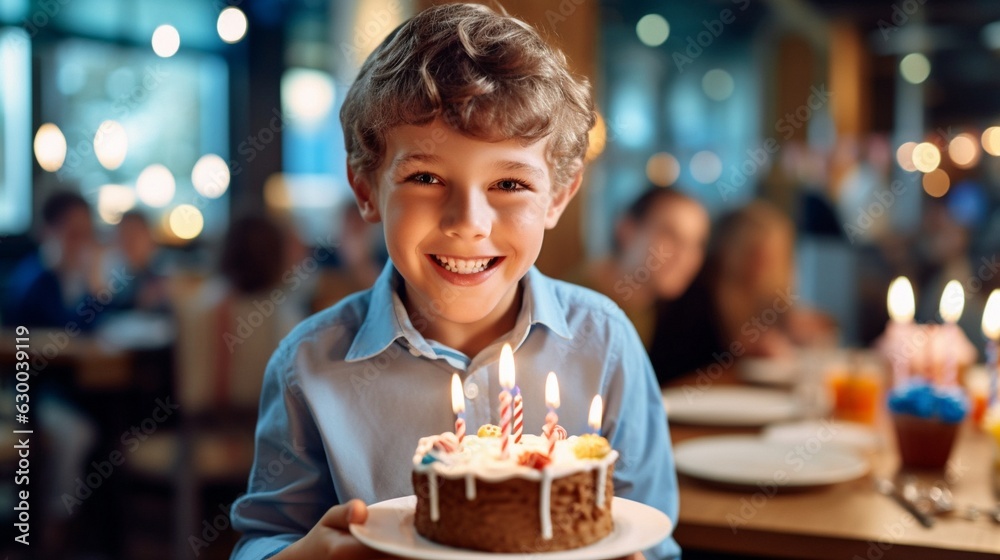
(848, 521)
(94, 366)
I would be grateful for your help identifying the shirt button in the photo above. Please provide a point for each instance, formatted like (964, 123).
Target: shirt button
(471, 391)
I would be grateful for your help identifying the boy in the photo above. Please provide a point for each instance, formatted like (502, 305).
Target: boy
(465, 137)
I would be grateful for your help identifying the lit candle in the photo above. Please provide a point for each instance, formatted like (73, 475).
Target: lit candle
(952, 304)
(991, 328)
(458, 407)
(507, 383)
(518, 423)
(901, 308)
(552, 401)
(594, 419)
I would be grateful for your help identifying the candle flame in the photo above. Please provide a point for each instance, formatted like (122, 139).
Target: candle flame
(900, 300)
(552, 390)
(952, 302)
(457, 397)
(507, 367)
(596, 409)
(991, 316)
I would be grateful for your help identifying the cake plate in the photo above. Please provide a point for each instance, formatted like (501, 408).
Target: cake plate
(390, 529)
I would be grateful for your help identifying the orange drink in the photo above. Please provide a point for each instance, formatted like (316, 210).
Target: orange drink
(855, 388)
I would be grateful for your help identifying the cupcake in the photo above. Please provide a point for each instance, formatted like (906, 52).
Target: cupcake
(926, 418)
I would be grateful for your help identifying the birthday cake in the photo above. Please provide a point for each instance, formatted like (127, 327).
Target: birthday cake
(470, 496)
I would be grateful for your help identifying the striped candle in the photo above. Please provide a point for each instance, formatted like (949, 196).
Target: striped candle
(991, 328)
(552, 401)
(993, 373)
(505, 416)
(518, 423)
(507, 383)
(458, 406)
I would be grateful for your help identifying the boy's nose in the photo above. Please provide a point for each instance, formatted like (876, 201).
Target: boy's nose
(468, 215)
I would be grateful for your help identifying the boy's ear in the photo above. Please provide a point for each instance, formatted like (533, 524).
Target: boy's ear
(561, 199)
(364, 193)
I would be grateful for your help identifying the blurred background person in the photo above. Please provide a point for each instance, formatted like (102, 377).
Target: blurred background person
(51, 289)
(752, 271)
(136, 252)
(659, 247)
(229, 330)
(56, 285)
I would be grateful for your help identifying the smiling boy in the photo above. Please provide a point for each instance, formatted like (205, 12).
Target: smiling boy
(465, 136)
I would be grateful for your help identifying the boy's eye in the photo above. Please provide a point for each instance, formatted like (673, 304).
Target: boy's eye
(511, 185)
(423, 178)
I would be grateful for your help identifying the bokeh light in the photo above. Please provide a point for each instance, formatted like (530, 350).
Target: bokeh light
(717, 84)
(904, 156)
(210, 176)
(166, 41)
(113, 201)
(155, 186)
(964, 150)
(936, 183)
(969, 203)
(662, 169)
(991, 140)
(50, 147)
(186, 221)
(915, 68)
(307, 95)
(706, 167)
(231, 25)
(926, 157)
(652, 30)
(111, 144)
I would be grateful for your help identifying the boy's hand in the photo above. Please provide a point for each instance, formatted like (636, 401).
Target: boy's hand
(330, 537)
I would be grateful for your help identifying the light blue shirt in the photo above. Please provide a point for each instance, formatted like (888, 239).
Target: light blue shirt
(351, 390)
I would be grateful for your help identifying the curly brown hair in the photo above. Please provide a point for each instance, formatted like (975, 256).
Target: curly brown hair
(487, 75)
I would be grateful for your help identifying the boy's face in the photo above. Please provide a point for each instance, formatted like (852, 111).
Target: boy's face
(464, 218)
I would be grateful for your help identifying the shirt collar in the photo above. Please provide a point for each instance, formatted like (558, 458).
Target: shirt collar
(544, 306)
(380, 327)
(387, 321)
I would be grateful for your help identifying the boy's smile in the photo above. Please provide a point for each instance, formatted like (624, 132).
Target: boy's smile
(465, 271)
(464, 221)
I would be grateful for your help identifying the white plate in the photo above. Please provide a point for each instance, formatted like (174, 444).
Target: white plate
(728, 405)
(770, 371)
(849, 434)
(390, 529)
(747, 460)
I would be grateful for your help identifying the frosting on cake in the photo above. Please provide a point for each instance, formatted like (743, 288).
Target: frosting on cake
(479, 458)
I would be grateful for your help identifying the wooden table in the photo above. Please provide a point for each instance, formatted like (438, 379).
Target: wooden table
(94, 366)
(848, 521)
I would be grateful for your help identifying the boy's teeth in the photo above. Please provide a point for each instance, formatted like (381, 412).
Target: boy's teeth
(463, 266)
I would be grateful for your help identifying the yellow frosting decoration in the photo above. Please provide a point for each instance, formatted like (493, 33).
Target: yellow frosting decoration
(489, 430)
(590, 446)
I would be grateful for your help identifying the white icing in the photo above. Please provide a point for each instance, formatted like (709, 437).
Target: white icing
(470, 486)
(545, 511)
(432, 487)
(481, 457)
(602, 475)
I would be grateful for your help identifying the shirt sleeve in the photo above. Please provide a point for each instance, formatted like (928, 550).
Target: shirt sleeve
(635, 423)
(290, 487)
